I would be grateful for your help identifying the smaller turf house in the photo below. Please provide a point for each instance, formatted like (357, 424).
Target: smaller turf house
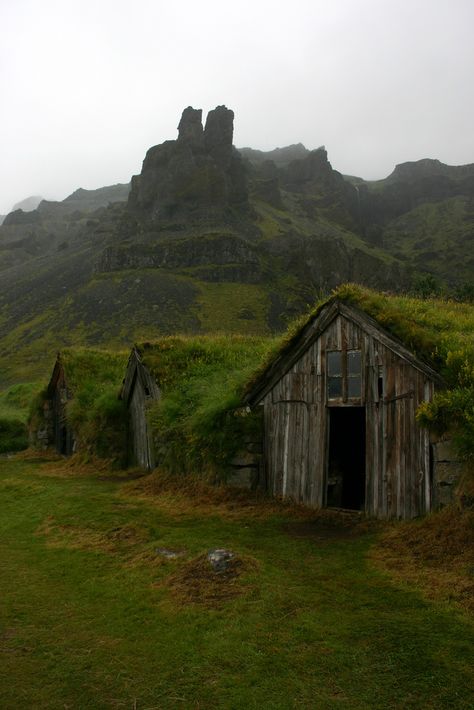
(183, 398)
(139, 389)
(79, 410)
(345, 398)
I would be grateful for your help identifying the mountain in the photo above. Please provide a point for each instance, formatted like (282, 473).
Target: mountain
(28, 204)
(209, 238)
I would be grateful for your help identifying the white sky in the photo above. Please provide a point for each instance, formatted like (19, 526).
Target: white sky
(87, 86)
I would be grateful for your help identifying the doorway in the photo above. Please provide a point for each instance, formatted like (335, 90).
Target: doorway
(346, 458)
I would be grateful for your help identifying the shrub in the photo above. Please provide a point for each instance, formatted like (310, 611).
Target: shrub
(13, 435)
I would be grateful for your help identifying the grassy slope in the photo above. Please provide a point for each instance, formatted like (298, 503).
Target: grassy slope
(87, 622)
(435, 238)
(116, 310)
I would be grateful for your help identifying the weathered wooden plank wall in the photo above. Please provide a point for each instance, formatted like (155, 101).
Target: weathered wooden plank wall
(397, 449)
(141, 389)
(63, 437)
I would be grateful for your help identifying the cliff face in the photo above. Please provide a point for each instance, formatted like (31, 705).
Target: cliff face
(200, 176)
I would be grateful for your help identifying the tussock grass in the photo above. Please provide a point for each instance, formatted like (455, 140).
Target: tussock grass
(193, 494)
(195, 582)
(435, 554)
(75, 537)
(75, 465)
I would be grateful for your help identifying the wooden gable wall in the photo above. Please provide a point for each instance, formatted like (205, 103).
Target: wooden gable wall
(397, 453)
(58, 397)
(139, 389)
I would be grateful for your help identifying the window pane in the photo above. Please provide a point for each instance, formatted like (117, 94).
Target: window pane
(334, 363)
(353, 362)
(353, 386)
(334, 387)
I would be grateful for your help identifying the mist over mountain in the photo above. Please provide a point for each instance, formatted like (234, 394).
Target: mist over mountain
(28, 204)
(211, 238)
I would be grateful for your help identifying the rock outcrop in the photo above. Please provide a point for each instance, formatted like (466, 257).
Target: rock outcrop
(198, 177)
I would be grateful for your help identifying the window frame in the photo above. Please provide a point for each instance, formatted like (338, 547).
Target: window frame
(346, 376)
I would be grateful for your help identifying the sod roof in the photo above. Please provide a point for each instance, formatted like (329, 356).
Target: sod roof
(85, 367)
(438, 333)
(173, 359)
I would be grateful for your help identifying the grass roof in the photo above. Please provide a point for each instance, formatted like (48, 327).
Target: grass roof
(231, 357)
(95, 413)
(194, 423)
(92, 370)
(441, 333)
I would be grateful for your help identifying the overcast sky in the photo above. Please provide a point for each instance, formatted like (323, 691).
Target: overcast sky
(88, 85)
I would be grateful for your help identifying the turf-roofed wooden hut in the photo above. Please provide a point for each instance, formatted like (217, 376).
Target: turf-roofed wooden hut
(79, 408)
(340, 402)
(59, 433)
(139, 388)
(183, 396)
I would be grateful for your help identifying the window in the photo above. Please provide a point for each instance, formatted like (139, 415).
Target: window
(334, 366)
(344, 374)
(354, 379)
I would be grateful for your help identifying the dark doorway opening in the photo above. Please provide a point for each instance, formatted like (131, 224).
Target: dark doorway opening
(346, 458)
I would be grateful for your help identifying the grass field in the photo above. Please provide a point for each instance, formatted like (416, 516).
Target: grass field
(93, 616)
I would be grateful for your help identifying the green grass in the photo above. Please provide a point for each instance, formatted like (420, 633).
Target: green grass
(233, 308)
(15, 401)
(90, 625)
(94, 412)
(197, 423)
(14, 409)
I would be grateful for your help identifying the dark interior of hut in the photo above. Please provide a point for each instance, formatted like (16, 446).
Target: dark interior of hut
(346, 458)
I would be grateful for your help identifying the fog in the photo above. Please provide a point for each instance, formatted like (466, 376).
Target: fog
(88, 86)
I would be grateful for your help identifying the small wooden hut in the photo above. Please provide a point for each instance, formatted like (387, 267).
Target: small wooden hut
(57, 431)
(85, 376)
(339, 406)
(200, 433)
(139, 388)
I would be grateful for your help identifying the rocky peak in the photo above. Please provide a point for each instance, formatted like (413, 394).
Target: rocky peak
(190, 126)
(219, 132)
(200, 176)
